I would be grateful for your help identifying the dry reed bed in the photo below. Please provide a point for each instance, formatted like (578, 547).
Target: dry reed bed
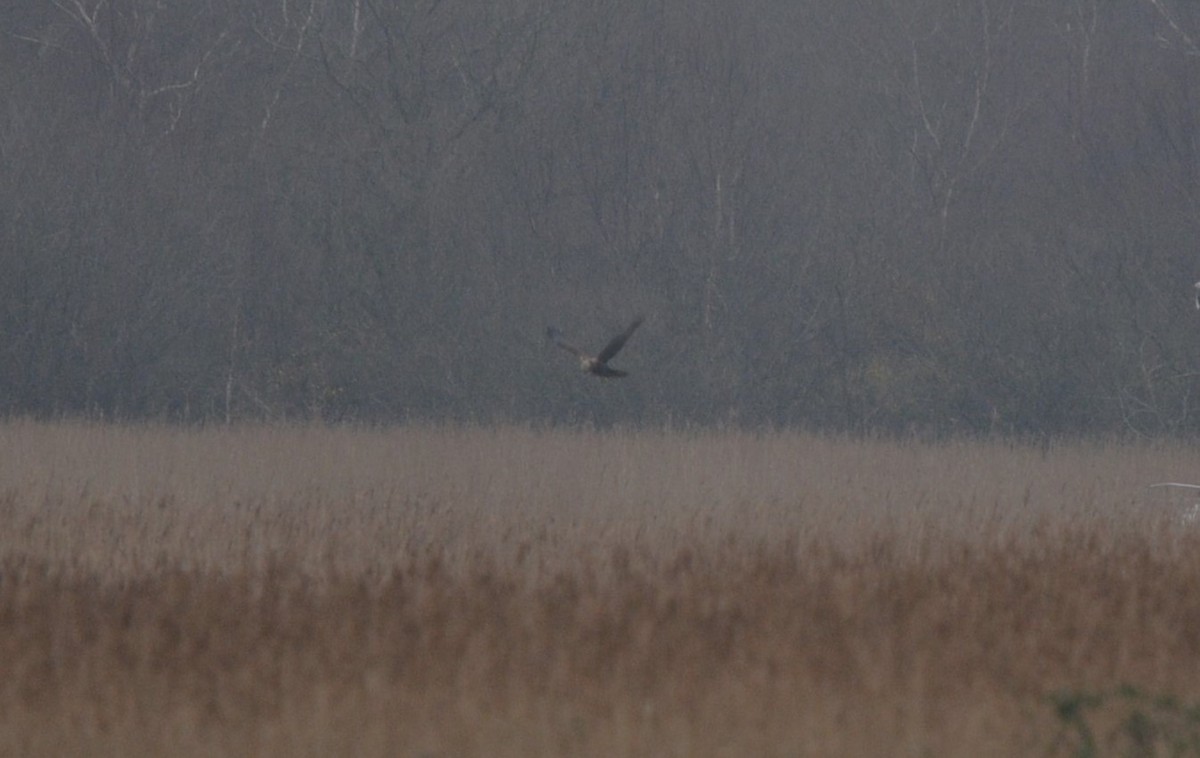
(513, 591)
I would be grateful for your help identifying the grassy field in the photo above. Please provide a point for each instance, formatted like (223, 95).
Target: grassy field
(428, 592)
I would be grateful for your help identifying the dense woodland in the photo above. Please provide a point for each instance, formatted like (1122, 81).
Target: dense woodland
(948, 215)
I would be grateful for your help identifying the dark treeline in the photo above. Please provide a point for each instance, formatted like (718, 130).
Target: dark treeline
(957, 215)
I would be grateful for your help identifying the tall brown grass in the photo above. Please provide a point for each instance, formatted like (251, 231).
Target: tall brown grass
(434, 591)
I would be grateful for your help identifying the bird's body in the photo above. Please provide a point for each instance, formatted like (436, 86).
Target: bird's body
(597, 365)
(602, 370)
(1198, 296)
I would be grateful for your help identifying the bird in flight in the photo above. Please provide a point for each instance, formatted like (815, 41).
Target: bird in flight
(597, 365)
(1198, 296)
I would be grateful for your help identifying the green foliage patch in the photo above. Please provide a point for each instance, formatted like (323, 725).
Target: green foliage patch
(1126, 721)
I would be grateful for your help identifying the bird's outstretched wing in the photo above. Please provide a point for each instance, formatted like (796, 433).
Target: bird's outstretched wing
(555, 336)
(616, 343)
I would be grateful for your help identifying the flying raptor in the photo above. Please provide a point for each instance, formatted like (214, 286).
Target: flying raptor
(597, 365)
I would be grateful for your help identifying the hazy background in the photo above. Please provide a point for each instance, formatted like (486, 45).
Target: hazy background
(931, 214)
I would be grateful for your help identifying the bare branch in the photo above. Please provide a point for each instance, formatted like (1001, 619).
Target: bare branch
(1190, 46)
